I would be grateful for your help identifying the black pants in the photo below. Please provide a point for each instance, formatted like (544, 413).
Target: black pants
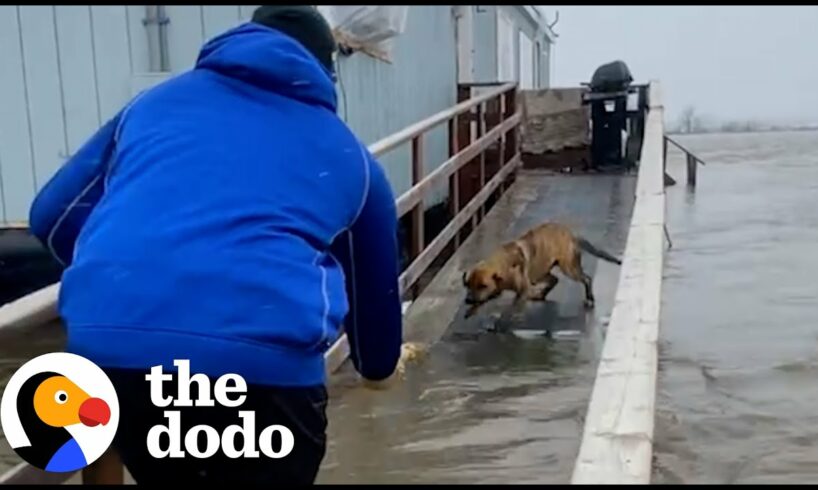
(302, 410)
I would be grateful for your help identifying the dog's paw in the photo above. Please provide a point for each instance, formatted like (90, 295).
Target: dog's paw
(411, 351)
(538, 292)
(471, 310)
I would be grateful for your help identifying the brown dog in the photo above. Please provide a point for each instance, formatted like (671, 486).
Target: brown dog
(521, 265)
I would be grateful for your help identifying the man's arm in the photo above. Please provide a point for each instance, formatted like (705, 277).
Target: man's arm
(369, 255)
(61, 207)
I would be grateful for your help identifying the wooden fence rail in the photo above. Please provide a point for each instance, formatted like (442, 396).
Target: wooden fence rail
(412, 201)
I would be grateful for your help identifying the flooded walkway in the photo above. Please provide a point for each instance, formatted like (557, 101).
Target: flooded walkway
(481, 407)
(738, 381)
(493, 407)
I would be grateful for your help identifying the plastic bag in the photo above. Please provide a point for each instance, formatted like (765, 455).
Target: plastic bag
(367, 28)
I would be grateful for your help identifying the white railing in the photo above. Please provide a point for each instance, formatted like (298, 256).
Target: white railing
(617, 442)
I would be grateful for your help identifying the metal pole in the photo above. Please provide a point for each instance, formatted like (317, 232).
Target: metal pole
(162, 18)
(691, 170)
(152, 29)
(155, 23)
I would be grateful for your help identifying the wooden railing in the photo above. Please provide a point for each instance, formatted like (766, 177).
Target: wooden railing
(483, 150)
(617, 442)
(468, 160)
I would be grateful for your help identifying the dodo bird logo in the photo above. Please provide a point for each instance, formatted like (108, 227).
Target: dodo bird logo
(59, 412)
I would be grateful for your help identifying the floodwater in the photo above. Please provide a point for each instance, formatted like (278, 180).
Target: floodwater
(494, 407)
(498, 408)
(738, 380)
(479, 407)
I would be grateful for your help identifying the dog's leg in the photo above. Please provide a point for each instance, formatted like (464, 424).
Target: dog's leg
(537, 292)
(543, 283)
(471, 310)
(550, 282)
(589, 290)
(575, 272)
(525, 292)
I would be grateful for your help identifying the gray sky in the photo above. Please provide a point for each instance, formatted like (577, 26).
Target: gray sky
(728, 62)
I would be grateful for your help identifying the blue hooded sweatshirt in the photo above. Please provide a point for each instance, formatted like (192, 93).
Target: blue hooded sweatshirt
(228, 217)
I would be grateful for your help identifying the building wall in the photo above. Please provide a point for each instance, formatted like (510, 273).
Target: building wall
(379, 98)
(67, 69)
(486, 42)
(523, 23)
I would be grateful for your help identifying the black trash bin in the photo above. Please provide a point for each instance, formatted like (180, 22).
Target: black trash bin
(608, 97)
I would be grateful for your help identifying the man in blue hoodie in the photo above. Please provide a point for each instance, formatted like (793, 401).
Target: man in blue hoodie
(228, 217)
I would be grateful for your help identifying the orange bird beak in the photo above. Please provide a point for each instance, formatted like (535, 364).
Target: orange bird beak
(94, 411)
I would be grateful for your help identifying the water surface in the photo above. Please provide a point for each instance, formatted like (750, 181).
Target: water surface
(738, 382)
(504, 407)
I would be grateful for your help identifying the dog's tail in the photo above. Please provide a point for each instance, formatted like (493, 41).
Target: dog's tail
(591, 249)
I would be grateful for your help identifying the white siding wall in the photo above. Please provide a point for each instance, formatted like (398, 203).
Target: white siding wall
(67, 69)
(526, 57)
(192, 25)
(506, 70)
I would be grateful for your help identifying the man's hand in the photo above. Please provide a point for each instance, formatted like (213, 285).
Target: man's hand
(409, 351)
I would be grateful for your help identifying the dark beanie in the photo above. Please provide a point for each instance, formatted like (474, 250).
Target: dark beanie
(305, 24)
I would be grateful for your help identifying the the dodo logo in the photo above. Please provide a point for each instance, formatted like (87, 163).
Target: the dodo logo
(59, 412)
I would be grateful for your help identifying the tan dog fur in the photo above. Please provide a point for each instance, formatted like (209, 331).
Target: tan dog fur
(520, 266)
(409, 352)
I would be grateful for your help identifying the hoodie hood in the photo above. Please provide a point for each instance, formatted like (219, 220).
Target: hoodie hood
(270, 60)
